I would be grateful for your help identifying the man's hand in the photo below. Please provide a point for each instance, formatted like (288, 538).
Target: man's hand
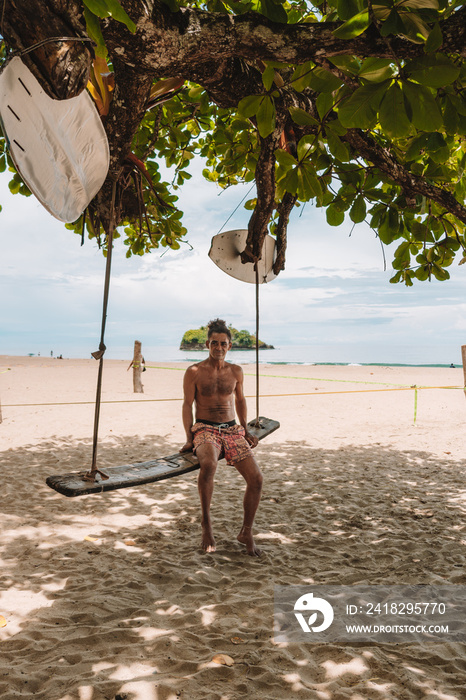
(251, 439)
(187, 447)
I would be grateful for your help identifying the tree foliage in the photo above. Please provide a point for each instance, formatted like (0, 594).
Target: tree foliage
(358, 106)
(196, 339)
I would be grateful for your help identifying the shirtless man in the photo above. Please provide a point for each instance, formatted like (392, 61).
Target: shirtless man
(216, 389)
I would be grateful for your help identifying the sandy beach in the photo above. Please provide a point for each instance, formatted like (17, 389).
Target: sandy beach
(109, 597)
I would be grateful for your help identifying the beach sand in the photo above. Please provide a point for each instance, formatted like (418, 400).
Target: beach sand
(109, 596)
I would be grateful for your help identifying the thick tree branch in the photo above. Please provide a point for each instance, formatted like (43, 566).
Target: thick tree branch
(370, 150)
(284, 211)
(176, 42)
(265, 184)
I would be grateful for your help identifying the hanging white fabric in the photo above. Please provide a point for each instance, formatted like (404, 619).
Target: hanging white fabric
(226, 249)
(59, 147)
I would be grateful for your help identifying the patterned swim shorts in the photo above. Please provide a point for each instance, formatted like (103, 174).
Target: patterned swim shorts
(230, 441)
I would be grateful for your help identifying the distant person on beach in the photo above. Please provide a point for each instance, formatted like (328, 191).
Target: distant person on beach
(216, 389)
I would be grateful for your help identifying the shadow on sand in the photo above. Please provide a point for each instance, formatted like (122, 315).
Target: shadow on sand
(108, 596)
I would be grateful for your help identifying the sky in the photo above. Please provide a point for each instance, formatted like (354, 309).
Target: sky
(332, 303)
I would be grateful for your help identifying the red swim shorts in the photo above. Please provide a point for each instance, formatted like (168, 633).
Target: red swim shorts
(230, 441)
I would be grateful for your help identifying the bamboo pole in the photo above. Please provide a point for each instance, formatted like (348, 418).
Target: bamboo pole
(137, 365)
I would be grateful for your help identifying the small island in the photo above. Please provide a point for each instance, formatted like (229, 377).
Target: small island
(241, 340)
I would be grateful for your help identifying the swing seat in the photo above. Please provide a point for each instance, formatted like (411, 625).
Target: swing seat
(144, 472)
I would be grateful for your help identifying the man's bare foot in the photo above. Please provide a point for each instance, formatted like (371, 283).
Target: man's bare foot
(245, 537)
(208, 541)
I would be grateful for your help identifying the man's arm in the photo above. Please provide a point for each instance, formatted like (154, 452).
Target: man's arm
(241, 406)
(189, 393)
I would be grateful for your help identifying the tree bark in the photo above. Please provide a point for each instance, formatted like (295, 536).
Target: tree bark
(61, 67)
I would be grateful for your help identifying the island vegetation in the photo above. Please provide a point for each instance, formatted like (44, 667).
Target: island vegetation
(195, 339)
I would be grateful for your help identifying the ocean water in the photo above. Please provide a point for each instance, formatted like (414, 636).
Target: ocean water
(292, 354)
(285, 354)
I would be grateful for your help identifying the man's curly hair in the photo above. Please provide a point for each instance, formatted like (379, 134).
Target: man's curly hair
(218, 325)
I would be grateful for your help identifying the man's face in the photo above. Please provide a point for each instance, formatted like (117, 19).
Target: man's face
(218, 345)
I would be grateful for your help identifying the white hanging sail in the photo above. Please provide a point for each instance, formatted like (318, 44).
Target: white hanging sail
(59, 147)
(226, 249)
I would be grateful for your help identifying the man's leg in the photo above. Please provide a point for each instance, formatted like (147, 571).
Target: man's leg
(249, 470)
(207, 455)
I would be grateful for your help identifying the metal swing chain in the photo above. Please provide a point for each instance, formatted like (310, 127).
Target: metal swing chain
(99, 354)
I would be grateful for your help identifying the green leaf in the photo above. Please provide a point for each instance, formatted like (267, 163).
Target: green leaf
(285, 160)
(335, 216)
(347, 8)
(450, 116)
(270, 9)
(303, 118)
(308, 184)
(268, 77)
(322, 80)
(415, 28)
(434, 40)
(120, 15)
(376, 70)
(347, 64)
(360, 109)
(302, 76)
(433, 70)
(393, 24)
(393, 118)
(95, 33)
(97, 7)
(420, 4)
(265, 116)
(324, 104)
(358, 210)
(305, 146)
(290, 182)
(425, 113)
(336, 147)
(439, 273)
(249, 106)
(354, 26)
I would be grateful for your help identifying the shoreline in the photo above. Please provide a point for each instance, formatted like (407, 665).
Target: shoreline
(5, 359)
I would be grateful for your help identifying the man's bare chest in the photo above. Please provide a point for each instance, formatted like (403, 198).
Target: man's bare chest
(216, 385)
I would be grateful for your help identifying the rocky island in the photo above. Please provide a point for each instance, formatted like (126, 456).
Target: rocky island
(195, 339)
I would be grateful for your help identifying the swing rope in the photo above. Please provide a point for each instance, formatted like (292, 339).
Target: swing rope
(99, 354)
(256, 270)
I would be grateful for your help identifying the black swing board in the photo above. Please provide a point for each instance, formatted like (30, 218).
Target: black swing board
(143, 472)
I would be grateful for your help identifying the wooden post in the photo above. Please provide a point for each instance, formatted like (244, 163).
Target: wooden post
(137, 364)
(463, 357)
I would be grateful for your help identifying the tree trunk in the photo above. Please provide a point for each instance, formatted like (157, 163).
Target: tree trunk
(61, 67)
(137, 363)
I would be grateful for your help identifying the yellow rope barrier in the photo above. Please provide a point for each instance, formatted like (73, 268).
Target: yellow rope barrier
(265, 396)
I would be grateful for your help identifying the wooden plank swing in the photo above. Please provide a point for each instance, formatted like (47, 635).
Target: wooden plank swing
(126, 475)
(141, 473)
